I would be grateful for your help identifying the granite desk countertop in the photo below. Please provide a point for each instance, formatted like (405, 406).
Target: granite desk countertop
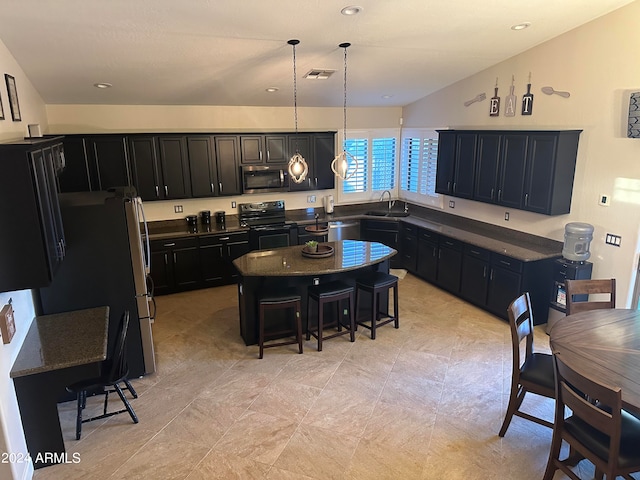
(289, 261)
(63, 340)
(512, 243)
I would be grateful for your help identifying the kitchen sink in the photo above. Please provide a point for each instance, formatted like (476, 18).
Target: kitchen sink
(386, 213)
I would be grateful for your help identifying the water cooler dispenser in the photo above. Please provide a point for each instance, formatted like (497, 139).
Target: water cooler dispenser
(573, 266)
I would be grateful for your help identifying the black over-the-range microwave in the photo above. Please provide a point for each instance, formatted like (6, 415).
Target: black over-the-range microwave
(264, 179)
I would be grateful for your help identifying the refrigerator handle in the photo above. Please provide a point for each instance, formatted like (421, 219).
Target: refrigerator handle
(147, 250)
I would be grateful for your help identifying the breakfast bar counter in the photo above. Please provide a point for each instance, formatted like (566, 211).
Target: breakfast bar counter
(287, 267)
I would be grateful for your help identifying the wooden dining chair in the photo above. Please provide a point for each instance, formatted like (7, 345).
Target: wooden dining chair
(114, 371)
(531, 372)
(600, 431)
(578, 292)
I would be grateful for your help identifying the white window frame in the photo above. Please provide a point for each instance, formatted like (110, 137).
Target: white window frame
(369, 195)
(430, 200)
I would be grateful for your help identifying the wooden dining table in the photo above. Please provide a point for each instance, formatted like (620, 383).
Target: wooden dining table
(606, 345)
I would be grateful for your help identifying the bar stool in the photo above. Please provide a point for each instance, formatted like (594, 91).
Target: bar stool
(375, 285)
(288, 299)
(326, 293)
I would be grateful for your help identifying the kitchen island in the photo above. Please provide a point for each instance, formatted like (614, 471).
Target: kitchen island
(287, 267)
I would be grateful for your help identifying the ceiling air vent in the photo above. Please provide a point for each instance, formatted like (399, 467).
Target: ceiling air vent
(319, 74)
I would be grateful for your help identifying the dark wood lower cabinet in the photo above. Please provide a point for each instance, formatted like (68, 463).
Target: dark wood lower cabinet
(487, 279)
(175, 265)
(449, 264)
(200, 262)
(216, 254)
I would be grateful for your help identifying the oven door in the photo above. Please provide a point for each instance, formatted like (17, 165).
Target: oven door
(273, 236)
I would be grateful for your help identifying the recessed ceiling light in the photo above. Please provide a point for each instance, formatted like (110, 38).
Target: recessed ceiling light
(271, 89)
(102, 85)
(351, 10)
(521, 26)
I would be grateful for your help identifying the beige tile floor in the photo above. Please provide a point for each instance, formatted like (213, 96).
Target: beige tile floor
(422, 402)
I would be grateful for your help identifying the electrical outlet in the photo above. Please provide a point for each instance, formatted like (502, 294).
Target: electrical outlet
(614, 240)
(177, 208)
(233, 204)
(316, 281)
(7, 323)
(311, 199)
(452, 204)
(506, 216)
(604, 200)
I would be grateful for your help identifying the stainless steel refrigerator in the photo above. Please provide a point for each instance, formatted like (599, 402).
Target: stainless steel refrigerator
(106, 263)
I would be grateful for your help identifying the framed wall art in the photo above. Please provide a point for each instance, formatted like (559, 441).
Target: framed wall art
(1, 109)
(13, 97)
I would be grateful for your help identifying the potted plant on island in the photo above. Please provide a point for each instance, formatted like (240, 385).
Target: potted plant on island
(312, 246)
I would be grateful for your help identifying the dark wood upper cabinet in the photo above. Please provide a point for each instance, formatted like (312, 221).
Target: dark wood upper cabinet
(227, 150)
(33, 245)
(446, 162)
(324, 151)
(527, 170)
(175, 166)
(487, 160)
(202, 166)
(147, 176)
(95, 162)
(263, 149)
(512, 170)
(464, 167)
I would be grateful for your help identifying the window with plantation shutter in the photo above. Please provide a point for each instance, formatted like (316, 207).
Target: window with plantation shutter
(358, 147)
(377, 154)
(419, 157)
(383, 163)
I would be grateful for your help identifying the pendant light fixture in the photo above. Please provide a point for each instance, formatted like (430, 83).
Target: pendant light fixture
(344, 165)
(298, 167)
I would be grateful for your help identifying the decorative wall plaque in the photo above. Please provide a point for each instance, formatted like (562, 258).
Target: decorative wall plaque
(527, 99)
(494, 106)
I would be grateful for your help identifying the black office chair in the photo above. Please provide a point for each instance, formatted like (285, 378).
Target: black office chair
(114, 371)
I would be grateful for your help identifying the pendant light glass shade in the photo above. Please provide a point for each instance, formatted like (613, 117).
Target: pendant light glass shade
(344, 165)
(298, 167)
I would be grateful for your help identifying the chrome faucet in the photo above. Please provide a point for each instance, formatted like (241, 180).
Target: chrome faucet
(390, 202)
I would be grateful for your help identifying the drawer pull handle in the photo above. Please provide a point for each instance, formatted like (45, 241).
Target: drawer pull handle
(475, 252)
(222, 239)
(169, 244)
(504, 262)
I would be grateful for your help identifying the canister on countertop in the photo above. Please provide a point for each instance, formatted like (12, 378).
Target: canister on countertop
(205, 217)
(192, 220)
(220, 217)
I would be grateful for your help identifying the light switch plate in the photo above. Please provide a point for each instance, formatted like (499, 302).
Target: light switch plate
(604, 200)
(612, 239)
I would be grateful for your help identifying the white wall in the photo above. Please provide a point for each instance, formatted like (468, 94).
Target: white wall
(597, 63)
(32, 110)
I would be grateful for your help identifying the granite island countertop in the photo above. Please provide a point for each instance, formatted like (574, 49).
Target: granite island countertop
(289, 261)
(63, 340)
(512, 243)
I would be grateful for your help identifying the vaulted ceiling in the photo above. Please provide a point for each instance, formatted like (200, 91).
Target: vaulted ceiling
(228, 52)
